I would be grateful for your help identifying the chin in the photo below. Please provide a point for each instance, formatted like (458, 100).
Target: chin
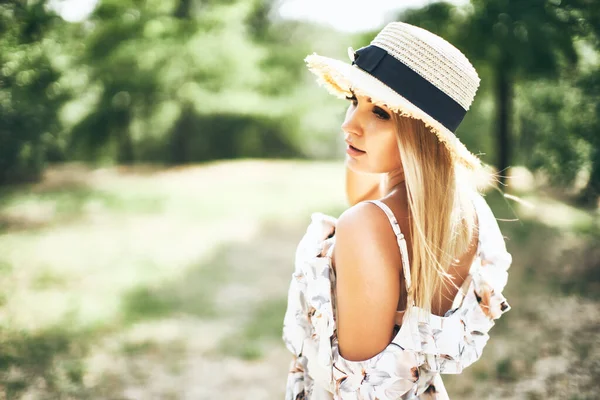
(357, 166)
(361, 166)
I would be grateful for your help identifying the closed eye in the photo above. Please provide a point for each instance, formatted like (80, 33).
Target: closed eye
(378, 111)
(381, 113)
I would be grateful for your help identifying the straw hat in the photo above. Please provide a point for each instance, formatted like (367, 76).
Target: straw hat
(414, 73)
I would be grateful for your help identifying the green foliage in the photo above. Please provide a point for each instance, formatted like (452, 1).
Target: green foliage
(226, 84)
(559, 125)
(261, 330)
(521, 40)
(528, 38)
(588, 129)
(181, 81)
(441, 18)
(30, 91)
(549, 116)
(141, 58)
(161, 81)
(515, 44)
(51, 358)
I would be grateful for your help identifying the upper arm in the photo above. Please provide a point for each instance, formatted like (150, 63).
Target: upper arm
(367, 262)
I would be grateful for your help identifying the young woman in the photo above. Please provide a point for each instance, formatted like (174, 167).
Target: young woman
(406, 284)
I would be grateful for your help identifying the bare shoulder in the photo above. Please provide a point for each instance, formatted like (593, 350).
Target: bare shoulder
(363, 220)
(364, 230)
(366, 224)
(367, 262)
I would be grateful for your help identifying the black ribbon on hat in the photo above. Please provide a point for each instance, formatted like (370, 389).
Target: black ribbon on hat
(410, 85)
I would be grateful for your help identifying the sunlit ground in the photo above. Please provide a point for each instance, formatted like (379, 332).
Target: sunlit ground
(146, 283)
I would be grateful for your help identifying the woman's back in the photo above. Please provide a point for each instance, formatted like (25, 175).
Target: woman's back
(371, 283)
(458, 271)
(422, 348)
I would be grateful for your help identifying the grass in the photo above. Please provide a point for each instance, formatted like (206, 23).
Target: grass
(87, 258)
(131, 283)
(50, 359)
(261, 330)
(552, 289)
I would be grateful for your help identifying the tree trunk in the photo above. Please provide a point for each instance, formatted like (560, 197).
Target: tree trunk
(125, 151)
(503, 121)
(125, 148)
(181, 135)
(589, 196)
(183, 9)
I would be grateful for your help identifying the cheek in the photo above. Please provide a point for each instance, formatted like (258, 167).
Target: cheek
(385, 154)
(392, 155)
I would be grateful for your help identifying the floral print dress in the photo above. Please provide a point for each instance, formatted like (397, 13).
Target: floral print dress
(425, 345)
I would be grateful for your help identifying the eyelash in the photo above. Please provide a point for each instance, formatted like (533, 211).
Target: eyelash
(353, 99)
(379, 112)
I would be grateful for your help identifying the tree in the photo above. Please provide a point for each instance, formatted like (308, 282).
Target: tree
(187, 57)
(519, 40)
(448, 21)
(30, 91)
(589, 130)
(560, 118)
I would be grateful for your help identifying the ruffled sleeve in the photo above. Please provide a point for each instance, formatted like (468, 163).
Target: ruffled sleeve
(309, 297)
(480, 302)
(309, 319)
(428, 345)
(425, 345)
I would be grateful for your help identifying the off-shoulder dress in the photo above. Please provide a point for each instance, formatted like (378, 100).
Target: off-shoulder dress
(425, 345)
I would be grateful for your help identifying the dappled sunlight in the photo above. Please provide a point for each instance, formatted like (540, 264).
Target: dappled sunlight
(528, 197)
(162, 276)
(160, 161)
(557, 214)
(552, 288)
(152, 260)
(534, 200)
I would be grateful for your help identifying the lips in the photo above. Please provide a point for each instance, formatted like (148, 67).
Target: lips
(354, 152)
(353, 147)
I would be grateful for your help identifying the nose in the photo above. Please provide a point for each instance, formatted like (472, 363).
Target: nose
(351, 125)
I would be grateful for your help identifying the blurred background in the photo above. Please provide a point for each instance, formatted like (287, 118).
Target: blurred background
(160, 159)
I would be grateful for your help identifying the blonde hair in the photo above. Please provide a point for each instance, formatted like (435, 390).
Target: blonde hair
(442, 216)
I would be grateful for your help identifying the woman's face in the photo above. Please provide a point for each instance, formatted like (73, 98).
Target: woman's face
(370, 134)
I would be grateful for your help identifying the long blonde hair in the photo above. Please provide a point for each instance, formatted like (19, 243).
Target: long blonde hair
(442, 216)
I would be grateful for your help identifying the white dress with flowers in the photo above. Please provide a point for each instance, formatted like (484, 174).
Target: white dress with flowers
(425, 345)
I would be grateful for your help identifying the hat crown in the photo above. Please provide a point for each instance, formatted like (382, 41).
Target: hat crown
(432, 57)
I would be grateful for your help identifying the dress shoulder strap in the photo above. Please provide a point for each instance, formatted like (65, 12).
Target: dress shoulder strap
(401, 242)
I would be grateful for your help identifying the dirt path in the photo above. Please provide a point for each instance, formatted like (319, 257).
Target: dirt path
(167, 294)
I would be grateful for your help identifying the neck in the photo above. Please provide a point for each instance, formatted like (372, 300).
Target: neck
(394, 180)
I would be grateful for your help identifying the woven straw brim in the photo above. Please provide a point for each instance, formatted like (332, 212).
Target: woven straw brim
(339, 77)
